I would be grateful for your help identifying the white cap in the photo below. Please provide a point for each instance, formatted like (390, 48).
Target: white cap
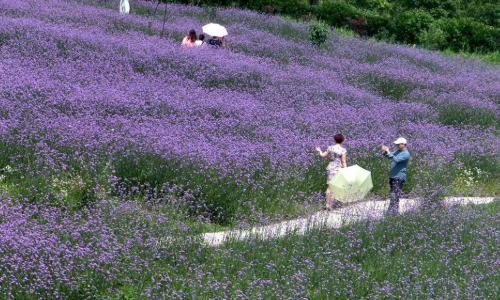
(400, 141)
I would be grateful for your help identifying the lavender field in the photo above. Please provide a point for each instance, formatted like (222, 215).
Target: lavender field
(114, 138)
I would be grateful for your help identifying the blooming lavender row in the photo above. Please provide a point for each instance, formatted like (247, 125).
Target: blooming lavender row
(49, 254)
(124, 250)
(82, 76)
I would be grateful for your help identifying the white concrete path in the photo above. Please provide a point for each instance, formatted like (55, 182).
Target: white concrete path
(333, 219)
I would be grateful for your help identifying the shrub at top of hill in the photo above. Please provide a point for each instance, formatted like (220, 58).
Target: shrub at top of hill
(461, 35)
(294, 8)
(375, 5)
(336, 13)
(408, 25)
(437, 8)
(318, 33)
(484, 11)
(379, 26)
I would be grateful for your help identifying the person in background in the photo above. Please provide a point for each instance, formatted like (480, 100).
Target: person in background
(337, 154)
(217, 42)
(190, 40)
(397, 173)
(200, 41)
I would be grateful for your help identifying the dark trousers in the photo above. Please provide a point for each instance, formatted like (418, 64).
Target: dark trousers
(396, 190)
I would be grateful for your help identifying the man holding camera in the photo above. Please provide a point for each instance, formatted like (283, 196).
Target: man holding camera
(397, 173)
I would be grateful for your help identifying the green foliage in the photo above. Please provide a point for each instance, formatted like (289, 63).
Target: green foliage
(461, 35)
(379, 26)
(295, 8)
(318, 33)
(491, 57)
(473, 175)
(436, 8)
(483, 11)
(410, 24)
(465, 34)
(376, 5)
(336, 13)
(434, 37)
(76, 191)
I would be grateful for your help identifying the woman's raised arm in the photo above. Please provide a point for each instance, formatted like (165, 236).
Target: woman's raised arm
(321, 153)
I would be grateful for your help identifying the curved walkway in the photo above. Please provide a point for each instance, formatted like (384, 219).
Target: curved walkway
(333, 219)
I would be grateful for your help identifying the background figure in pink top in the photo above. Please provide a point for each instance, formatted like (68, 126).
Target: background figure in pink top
(337, 154)
(189, 40)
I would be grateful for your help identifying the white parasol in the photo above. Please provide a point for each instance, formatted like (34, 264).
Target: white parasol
(215, 30)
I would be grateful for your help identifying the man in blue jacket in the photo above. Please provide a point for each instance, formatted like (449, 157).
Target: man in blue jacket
(397, 173)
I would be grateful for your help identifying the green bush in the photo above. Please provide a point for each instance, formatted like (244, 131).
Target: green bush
(295, 8)
(484, 38)
(253, 4)
(410, 24)
(486, 13)
(453, 31)
(379, 26)
(436, 8)
(434, 38)
(374, 5)
(465, 34)
(319, 33)
(336, 13)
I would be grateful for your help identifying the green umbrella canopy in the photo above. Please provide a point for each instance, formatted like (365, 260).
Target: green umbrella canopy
(350, 184)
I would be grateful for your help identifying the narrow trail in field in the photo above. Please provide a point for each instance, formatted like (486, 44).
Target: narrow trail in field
(333, 219)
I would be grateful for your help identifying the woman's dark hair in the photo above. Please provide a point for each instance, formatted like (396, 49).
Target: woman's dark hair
(339, 138)
(192, 36)
(201, 37)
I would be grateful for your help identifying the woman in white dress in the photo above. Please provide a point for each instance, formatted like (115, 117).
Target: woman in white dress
(337, 154)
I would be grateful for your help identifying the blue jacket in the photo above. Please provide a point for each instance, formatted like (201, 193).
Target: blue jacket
(400, 159)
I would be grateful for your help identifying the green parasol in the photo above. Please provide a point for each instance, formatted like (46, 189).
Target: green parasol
(350, 184)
